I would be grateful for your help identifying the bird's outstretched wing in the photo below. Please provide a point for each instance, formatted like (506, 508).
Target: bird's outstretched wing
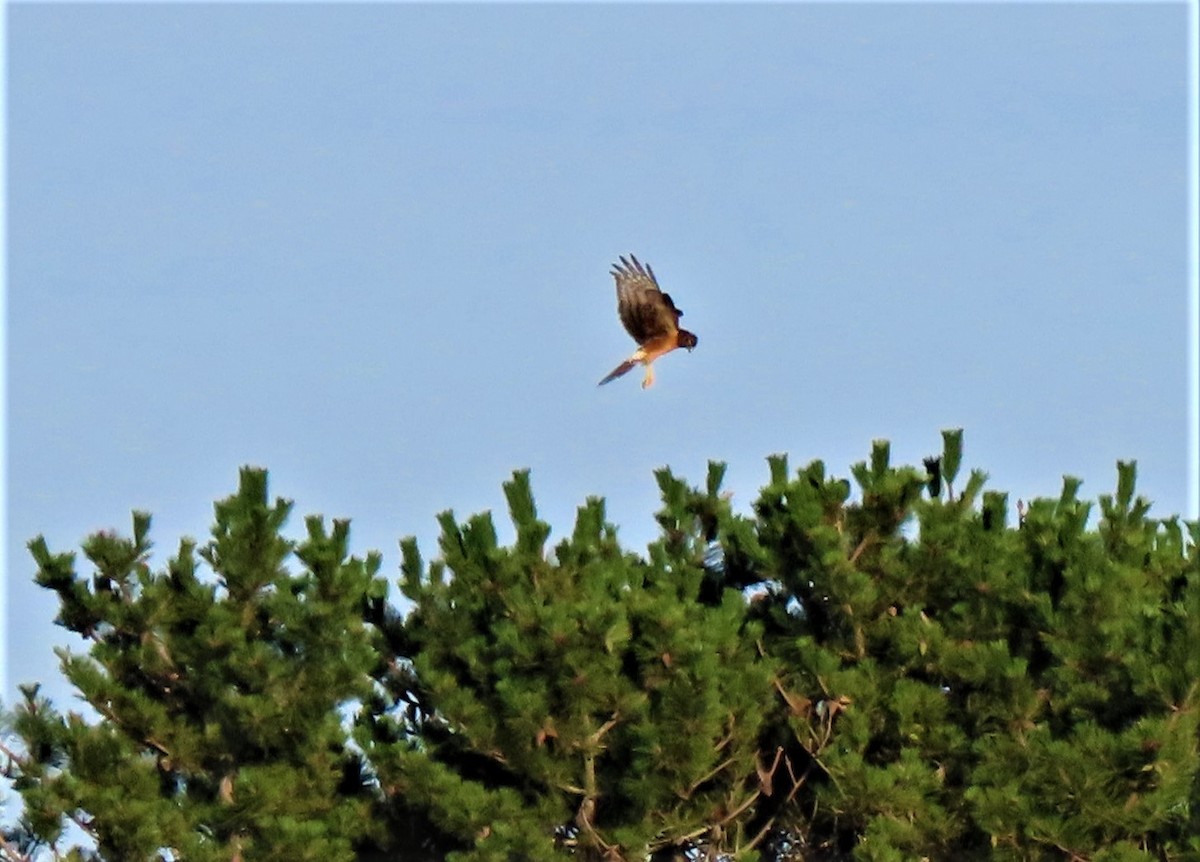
(646, 311)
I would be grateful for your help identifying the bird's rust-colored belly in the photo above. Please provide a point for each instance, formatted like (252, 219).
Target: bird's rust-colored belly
(656, 347)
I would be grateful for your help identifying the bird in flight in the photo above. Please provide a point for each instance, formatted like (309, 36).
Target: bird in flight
(649, 316)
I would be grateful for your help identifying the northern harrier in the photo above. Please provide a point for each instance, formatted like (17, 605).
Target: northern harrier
(650, 317)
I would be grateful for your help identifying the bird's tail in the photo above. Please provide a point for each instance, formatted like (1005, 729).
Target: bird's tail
(623, 368)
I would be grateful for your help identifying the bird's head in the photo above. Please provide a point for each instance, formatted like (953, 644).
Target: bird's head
(687, 339)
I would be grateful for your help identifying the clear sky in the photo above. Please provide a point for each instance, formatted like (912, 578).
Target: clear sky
(367, 247)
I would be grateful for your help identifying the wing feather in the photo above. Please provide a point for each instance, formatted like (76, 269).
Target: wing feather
(646, 312)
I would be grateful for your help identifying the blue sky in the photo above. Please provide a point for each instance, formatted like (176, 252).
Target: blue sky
(367, 247)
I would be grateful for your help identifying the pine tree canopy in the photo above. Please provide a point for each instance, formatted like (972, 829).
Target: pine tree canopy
(882, 668)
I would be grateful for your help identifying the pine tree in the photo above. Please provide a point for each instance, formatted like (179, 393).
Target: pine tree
(580, 699)
(219, 733)
(881, 669)
(969, 690)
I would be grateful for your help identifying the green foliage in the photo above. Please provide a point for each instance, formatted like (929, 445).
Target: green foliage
(581, 694)
(979, 691)
(219, 733)
(889, 669)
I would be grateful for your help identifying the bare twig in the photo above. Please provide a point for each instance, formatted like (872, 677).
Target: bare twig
(11, 853)
(12, 756)
(687, 794)
(750, 800)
